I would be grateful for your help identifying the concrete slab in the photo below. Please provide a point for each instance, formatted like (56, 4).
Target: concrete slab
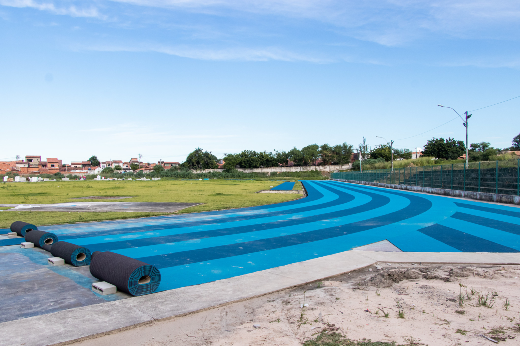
(384, 246)
(103, 207)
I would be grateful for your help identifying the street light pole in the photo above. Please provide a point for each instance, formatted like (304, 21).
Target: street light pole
(465, 123)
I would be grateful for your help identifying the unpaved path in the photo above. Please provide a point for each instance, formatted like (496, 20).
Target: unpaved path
(425, 305)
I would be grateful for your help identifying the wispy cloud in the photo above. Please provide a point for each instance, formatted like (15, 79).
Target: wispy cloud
(386, 22)
(216, 54)
(66, 10)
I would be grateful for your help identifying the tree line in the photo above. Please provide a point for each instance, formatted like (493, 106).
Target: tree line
(325, 154)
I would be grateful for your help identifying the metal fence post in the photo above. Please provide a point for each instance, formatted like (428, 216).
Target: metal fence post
(518, 177)
(496, 178)
(431, 183)
(416, 177)
(452, 176)
(479, 176)
(423, 177)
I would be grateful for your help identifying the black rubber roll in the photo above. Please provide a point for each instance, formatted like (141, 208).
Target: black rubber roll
(127, 274)
(41, 239)
(21, 228)
(47, 247)
(72, 254)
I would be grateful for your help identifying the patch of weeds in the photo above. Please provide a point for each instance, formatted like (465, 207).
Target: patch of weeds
(485, 301)
(461, 296)
(461, 331)
(460, 312)
(497, 331)
(378, 293)
(320, 283)
(400, 310)
(507, 304)
(386, 314)
(277, 321)
(328, 338)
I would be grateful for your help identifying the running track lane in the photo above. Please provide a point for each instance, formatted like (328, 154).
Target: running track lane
(335, 217)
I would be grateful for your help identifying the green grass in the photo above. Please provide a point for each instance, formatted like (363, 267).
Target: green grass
(327, 338)
(213, 194)
(298, 186)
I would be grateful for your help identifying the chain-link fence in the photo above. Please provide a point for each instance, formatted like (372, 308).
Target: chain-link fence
(502, 177)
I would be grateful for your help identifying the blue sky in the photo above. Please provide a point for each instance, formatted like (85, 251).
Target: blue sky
(162, 77)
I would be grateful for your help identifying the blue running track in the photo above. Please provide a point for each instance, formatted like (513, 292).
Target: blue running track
(284, 186)
(197, 248)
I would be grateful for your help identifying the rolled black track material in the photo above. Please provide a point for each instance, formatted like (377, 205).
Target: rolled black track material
(72, 254)
(41, 239)
(47, 247)
(127, 274)
(21, 228)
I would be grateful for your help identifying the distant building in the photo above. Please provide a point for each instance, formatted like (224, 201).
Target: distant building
(416, 154)
(33, 160)
(170, 164)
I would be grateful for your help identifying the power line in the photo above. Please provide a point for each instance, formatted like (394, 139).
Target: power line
(495, 104)
(422, 133)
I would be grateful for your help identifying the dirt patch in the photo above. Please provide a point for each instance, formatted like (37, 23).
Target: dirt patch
(408, 304)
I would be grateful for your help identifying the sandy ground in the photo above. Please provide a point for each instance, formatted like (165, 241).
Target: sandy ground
(424, 305)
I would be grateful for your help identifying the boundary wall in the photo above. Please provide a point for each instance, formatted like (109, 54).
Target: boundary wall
(325, 168)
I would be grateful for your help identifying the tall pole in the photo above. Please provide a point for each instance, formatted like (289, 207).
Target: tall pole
(467, 149)
(360, 164)
(392, 152)
(465, 123)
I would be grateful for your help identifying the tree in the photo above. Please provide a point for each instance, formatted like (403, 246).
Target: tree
(200, 159)
(404, 154)
(326, 154)
(479, 147)
(134, 166)
(310, 153)
(281, 157)
(342, 153)
(94, 161)
(107, 170)
(381, 151)
(118, 168)
(482, 151)
(296, 156)
(516, 143)
(449, 149)
(158, 169)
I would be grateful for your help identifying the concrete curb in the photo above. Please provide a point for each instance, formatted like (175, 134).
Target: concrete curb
(479, 196)
(68, 325)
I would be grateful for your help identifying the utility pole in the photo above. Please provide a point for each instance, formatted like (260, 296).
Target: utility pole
(466, 126)
(465, 123)
(361, 150)
(392, 152)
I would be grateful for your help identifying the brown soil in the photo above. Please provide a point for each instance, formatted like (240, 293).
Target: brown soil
(424, 305)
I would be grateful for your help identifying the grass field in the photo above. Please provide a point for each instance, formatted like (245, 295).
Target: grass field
(213, 194)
